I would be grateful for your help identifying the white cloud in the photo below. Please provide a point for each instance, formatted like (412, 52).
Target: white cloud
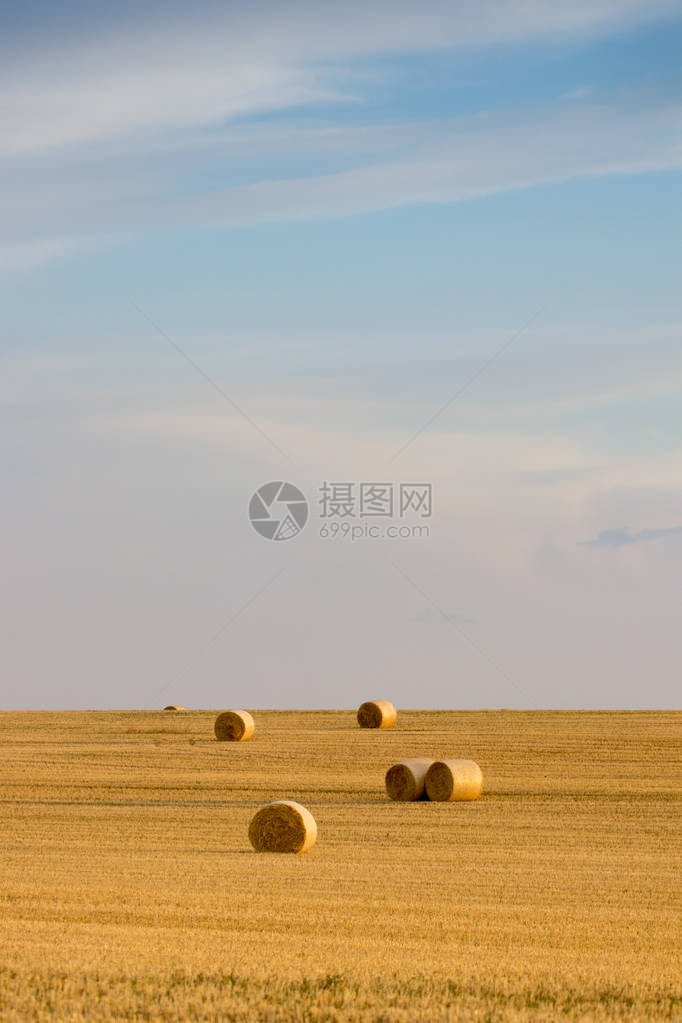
(446, 162)
(472, 158)
(112, 133)
(223, 62)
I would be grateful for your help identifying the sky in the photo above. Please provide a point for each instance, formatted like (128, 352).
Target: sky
(312, 242)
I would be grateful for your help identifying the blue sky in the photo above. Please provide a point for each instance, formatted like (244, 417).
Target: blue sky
(340, 214)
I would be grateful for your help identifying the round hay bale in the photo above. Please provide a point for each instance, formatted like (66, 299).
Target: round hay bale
(405, 780)
(377, 714)
(449, 780)
(234, 726)
(174, 706)
(284, 827)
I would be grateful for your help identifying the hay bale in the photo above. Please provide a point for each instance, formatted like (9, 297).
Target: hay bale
(377, 714)
(283, 826)
(174, 706)
(449, 780)
(234, 726)
(405, 780)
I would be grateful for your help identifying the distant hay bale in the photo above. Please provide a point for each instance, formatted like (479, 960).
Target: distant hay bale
(377, 714)
(405, 780)
(449, 780)
(284, 827)
(174, 706)
(234, 726)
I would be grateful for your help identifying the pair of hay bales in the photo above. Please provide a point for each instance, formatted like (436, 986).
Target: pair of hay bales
(441, 781)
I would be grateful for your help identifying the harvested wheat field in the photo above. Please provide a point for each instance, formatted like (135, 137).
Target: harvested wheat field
(130, 889)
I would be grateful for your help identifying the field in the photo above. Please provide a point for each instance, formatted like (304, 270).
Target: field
(129, 890)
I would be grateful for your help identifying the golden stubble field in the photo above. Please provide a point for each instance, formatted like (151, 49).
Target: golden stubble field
(129, 889)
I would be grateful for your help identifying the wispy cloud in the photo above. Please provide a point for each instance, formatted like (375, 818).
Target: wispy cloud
(610, 539)
(156, 121)
(216, 62)
(469, 159)
(445, 162)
